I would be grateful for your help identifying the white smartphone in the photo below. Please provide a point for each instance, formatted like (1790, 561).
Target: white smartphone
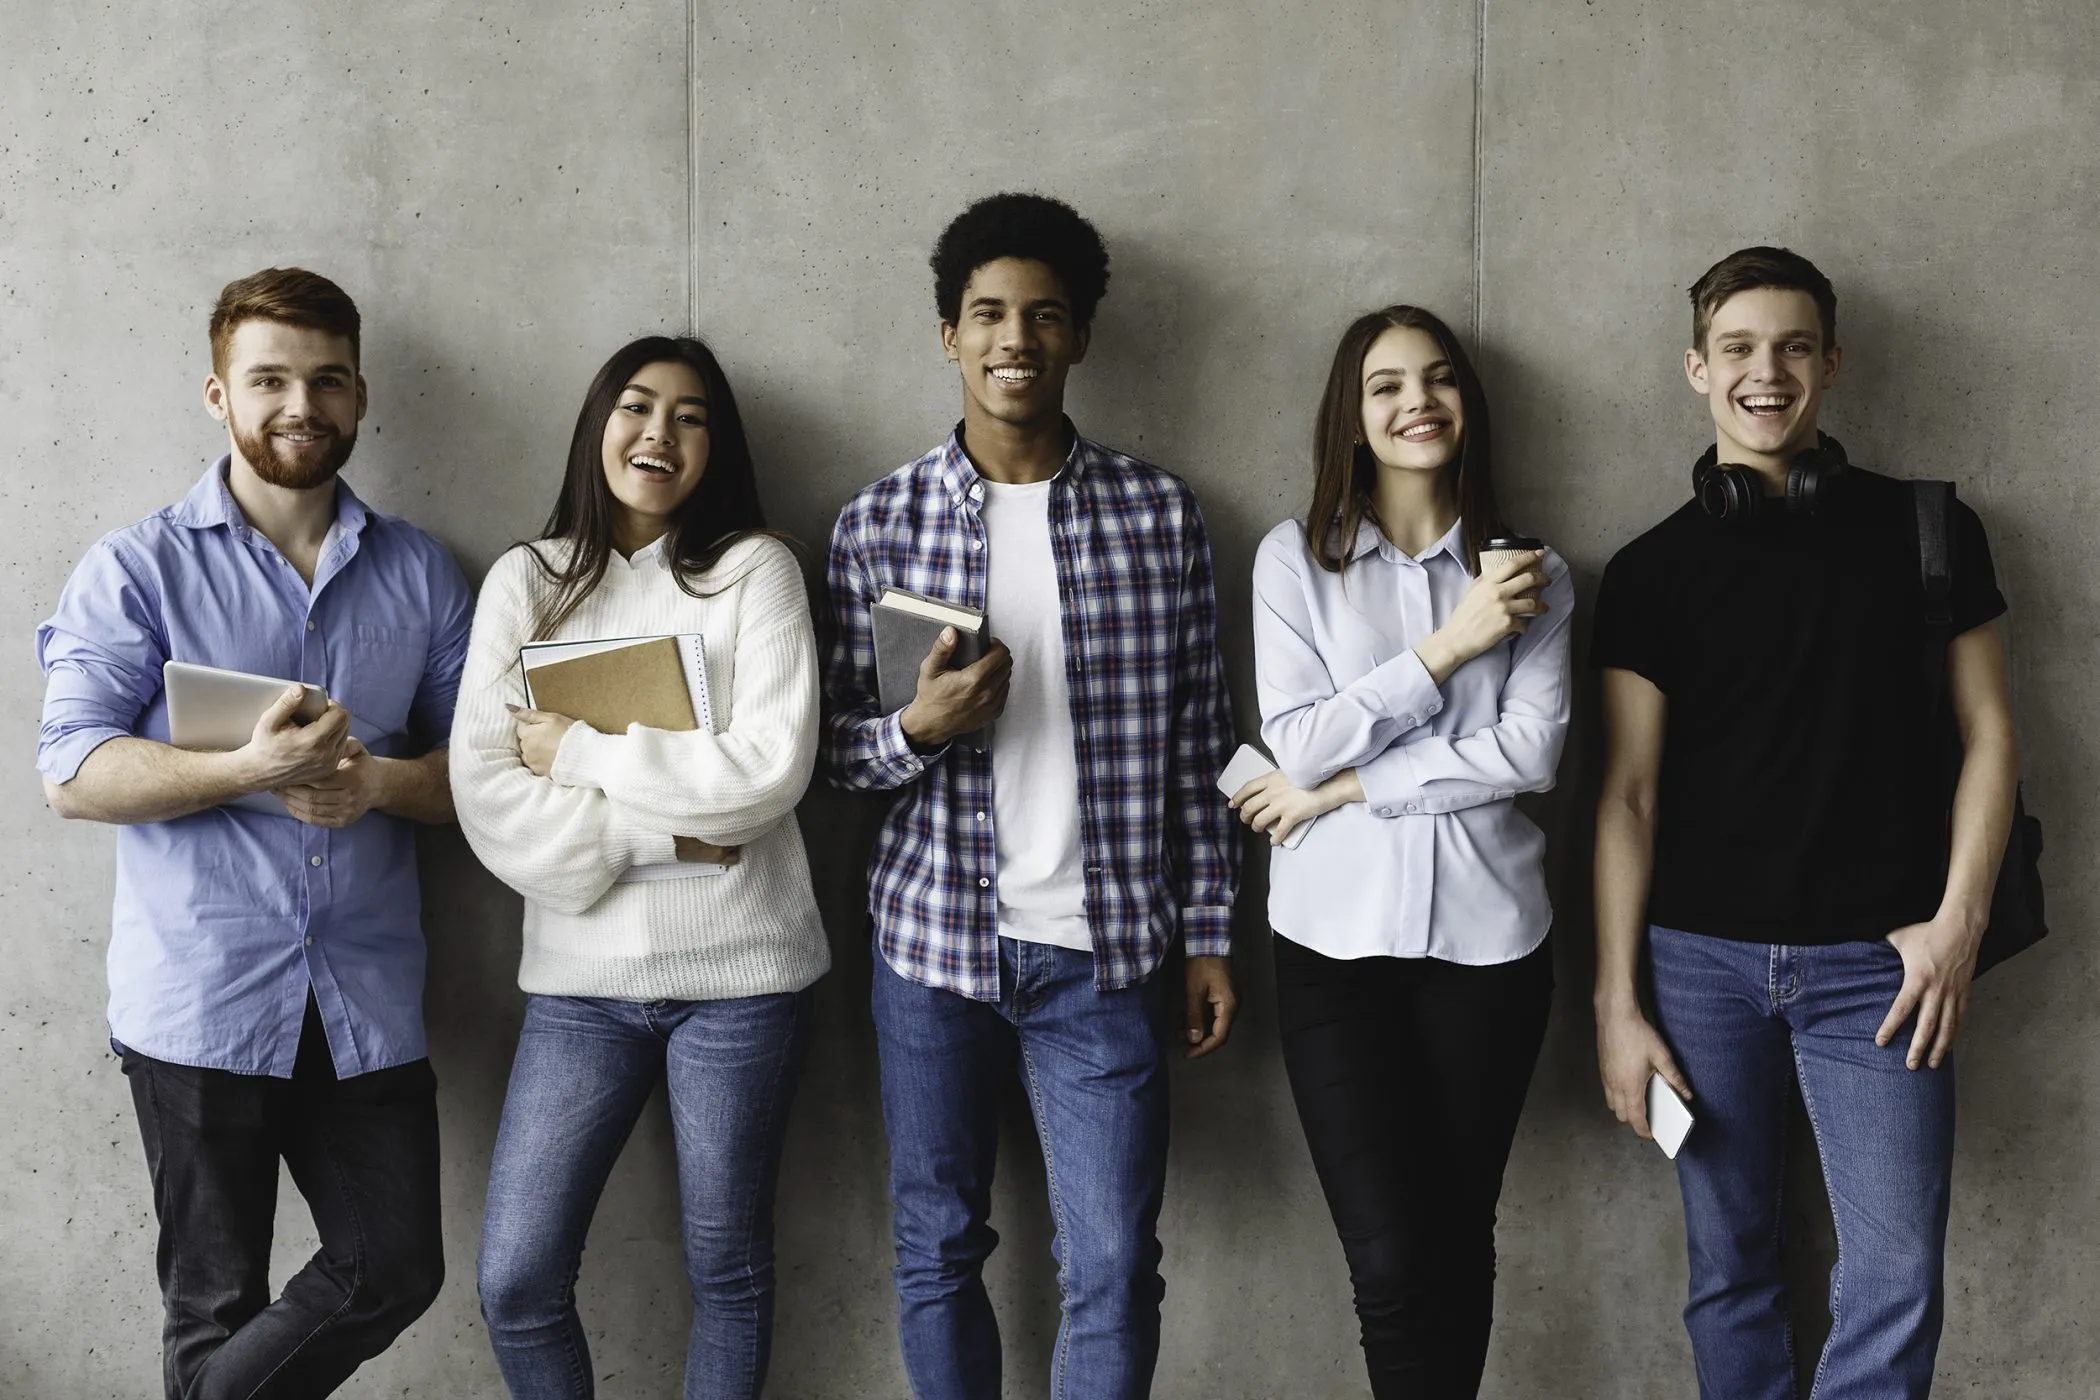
(1668, 1119)
(1247, 765)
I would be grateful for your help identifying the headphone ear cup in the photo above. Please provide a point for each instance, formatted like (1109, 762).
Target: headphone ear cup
(1749, 496)
(1812, 478)
(1804, 483)
(1727, 493)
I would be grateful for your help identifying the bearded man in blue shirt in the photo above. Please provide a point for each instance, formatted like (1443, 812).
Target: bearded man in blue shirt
(266, 966)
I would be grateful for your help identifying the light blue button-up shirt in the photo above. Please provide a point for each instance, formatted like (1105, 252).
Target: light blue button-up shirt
(224, 919)
(1437, 861)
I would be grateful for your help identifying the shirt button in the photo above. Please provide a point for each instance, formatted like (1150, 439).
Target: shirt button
(1385, 811)
(983, 882)
(314, 861)
(977, 544)
(1413, 807)
(309, 943)
(980, 816)
(309, 624)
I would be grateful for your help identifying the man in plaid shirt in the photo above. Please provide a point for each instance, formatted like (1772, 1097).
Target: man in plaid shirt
(1025, 895)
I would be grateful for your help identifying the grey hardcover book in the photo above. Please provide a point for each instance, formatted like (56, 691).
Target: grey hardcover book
(906, 626)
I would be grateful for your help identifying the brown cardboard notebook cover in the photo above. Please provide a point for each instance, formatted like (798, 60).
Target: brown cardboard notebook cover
(609, 690)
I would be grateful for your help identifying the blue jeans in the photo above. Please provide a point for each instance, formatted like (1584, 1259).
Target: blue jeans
(585, 1066)
(1096, 1080)
(1744, 1020)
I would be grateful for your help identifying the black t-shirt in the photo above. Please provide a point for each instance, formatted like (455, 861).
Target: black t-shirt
(1802, 794)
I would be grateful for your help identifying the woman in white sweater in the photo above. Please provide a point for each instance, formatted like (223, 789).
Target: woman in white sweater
(670, 931)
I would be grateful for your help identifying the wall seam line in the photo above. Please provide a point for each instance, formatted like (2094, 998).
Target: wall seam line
(1479, 162)
(692, 167)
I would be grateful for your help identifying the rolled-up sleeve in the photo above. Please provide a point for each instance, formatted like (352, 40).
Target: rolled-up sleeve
(101, 654)
(451, 625)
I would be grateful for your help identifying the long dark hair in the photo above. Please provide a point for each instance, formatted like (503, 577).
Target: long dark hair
(722, 510)
(1345, 471)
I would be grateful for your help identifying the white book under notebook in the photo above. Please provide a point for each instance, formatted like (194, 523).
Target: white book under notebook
(613, 682)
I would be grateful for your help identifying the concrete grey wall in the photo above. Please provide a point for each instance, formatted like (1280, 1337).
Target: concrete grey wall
(510, 195)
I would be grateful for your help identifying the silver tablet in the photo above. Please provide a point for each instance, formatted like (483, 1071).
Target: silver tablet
(215, 710)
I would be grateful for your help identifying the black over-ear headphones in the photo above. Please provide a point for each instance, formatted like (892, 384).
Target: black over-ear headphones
(1730, 492)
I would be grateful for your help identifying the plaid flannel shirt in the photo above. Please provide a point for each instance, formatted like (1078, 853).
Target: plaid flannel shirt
(1151, 720)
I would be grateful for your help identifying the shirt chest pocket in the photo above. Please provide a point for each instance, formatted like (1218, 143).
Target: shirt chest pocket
(377, 682)
(1133, 608)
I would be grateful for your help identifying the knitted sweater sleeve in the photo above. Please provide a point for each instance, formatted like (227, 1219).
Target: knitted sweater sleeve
(727, 787)
(559, 845)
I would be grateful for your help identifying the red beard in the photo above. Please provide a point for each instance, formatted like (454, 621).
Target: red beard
(280, 466)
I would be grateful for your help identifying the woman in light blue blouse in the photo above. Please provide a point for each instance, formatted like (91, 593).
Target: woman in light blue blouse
(1410, 688)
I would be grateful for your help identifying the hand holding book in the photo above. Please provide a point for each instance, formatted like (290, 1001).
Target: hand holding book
(693, 850)
(539, 737)
(952, 702)
(612, 685)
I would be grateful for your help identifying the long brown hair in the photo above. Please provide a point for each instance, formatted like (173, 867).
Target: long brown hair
(1344, 469)
(722, 510)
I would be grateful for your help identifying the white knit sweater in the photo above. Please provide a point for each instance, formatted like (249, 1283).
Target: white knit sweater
(615, 800)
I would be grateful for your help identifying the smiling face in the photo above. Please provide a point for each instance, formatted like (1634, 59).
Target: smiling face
(1763, 370)
(1015, 343)
(654, 450)
(290, 398)
(1413, 418)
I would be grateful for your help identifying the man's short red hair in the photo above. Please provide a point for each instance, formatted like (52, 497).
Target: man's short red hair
(290, 295)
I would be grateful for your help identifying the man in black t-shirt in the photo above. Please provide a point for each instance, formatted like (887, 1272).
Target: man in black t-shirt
(1773, 833)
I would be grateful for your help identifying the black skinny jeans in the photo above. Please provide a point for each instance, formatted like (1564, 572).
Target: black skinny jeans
(362, 1151)
(1409, 1075)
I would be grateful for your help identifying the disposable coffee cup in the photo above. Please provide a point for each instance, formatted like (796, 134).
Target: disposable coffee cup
(1502, 548)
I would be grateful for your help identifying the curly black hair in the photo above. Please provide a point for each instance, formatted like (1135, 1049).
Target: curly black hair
(1014, 225)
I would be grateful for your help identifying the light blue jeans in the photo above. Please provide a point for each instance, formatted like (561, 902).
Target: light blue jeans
(1745, 1020)
(585, 1066)
(1091, 1064)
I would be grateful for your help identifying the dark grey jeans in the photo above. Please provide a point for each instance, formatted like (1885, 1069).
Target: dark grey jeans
(362, 1151)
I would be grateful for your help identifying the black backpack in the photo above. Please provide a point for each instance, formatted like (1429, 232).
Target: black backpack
(2016, 922)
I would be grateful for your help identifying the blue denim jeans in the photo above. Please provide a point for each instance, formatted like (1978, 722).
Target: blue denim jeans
(584, 1068)
(1092, 1066)
(1745, 1020)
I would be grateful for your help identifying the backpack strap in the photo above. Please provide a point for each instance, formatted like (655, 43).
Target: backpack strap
(1934, 503)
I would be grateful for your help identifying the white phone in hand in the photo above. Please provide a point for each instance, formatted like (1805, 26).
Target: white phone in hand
(1668, 1119)
(1247, 765)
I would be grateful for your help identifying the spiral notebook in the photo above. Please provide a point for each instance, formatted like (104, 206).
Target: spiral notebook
(612, 682)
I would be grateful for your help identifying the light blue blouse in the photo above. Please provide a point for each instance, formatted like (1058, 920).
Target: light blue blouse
(1437, 862)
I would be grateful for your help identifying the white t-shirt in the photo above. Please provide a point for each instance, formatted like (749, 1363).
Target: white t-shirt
(1035, 763)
